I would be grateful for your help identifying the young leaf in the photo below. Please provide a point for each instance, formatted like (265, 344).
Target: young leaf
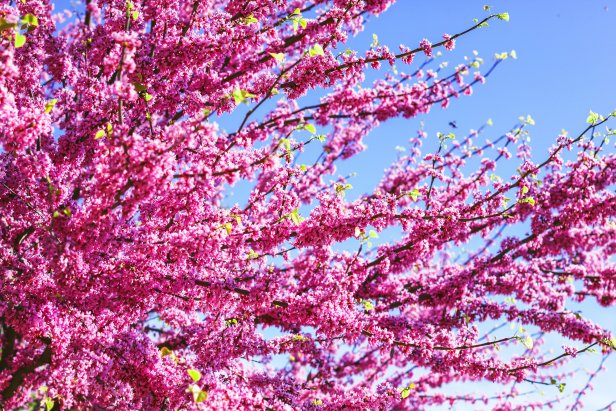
(201, 396)
(279, 57)
(295, 217)
(20, 40)
(368, 305)
(528, 200)
(139, 88)
(407, 390)
(316, 50)
(30, 20)
(250, 19)
(241, 96)
(503, 16)
(310, 127)
(50, 105)
(375, 41)
(194, 374)
(592, 117)
(99, 134)
(527, 341)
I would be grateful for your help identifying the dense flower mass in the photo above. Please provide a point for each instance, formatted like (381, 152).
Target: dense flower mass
(129, 282)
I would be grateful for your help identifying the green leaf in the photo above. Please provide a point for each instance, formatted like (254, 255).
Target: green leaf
(373, 234)
(341, 188)
(99, 134)
(194, 374)
(295, 217)
(147, 97)
(20, 40)
(297, 12)
(165, 352)
(303, 23)
(610, 343)
(486, 8)
(503, 16)
(592, 117)
(50, 105)
(561, 387)
(199, 395)
(4, 25)
(528, 200)
(241, 96)
(30, 20)
(48, 404)
(250, 19)
(310, 127)
(530, 120)
(317, 402)
(407, 391)
(228, 227)
(286, 143)
(368, 305)
(375, 41)
(139, 88)
(316, 50)
(527, 341)
(135, 15)
(321, 137)
(414, 194)
(279, 57)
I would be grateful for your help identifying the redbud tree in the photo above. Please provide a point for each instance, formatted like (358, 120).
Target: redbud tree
(129, 282)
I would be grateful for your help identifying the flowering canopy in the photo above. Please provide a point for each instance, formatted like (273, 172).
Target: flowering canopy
(129, 284)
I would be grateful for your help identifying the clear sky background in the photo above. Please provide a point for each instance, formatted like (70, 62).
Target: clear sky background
(566, 66)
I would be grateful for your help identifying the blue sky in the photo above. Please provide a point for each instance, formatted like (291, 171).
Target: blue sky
(566, 66)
